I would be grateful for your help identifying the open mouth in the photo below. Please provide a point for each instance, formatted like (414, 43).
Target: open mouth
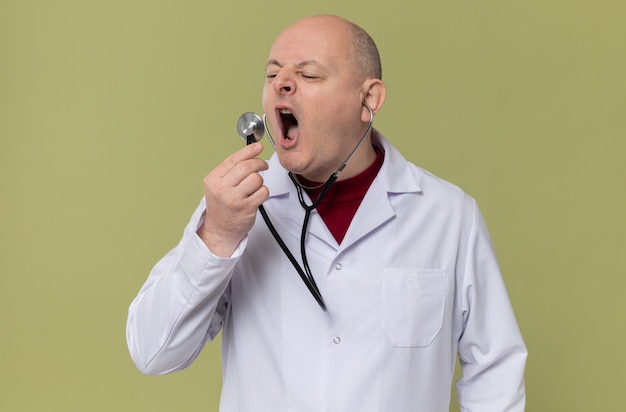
(289, 124)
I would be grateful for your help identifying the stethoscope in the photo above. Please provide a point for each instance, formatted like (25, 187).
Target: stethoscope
(251, 128)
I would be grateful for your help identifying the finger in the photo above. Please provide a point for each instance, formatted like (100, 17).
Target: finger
(242, 170)
(249, 185)
(248, 152)
(259, 196)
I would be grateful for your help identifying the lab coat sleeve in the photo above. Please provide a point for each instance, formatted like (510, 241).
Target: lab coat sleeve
(491, 349)
(181, 305)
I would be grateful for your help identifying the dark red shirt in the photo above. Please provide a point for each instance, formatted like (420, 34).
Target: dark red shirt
(343, 198)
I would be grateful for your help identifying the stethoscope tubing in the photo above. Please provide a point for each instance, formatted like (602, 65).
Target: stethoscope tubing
(305, 273)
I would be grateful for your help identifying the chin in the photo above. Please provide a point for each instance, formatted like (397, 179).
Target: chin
(294, 166)
(288, 162)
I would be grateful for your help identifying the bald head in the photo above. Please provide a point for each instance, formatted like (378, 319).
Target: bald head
(362, 50)
(365, 52)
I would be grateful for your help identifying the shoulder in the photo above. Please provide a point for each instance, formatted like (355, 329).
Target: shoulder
(402, 176)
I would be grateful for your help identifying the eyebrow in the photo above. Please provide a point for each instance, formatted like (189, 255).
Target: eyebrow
(274, 62)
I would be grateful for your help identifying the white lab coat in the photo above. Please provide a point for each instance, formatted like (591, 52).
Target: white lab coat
(414, 282)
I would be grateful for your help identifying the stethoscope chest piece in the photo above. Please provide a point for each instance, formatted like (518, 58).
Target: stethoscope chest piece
(250, 124)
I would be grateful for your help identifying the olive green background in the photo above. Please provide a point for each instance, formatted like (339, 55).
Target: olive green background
(112, 112)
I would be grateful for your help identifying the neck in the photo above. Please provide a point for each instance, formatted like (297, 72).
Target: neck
(361, 160)
(357, 162)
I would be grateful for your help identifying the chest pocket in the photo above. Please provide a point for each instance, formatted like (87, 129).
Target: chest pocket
(413, 305)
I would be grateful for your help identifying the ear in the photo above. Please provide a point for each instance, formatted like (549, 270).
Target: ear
(373, 94)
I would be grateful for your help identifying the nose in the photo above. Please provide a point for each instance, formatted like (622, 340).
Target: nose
(284, 82)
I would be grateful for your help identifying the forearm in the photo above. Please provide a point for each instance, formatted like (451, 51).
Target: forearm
(180, 306)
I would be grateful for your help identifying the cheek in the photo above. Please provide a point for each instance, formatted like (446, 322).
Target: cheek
(265, 97)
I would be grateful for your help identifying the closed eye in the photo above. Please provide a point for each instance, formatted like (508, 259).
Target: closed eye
(309, 76)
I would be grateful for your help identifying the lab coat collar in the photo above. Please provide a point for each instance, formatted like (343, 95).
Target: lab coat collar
(396, 174)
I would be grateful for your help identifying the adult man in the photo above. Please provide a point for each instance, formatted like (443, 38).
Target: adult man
(402, 260)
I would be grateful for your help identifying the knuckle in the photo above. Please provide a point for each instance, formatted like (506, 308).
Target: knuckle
(257, 180)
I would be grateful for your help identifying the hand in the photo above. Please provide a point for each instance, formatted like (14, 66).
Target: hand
(233, 191)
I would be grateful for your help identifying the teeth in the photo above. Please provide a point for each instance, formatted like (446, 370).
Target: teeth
(285, 111)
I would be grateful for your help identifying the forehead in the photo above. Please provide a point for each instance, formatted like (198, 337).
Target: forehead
(324, 40)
